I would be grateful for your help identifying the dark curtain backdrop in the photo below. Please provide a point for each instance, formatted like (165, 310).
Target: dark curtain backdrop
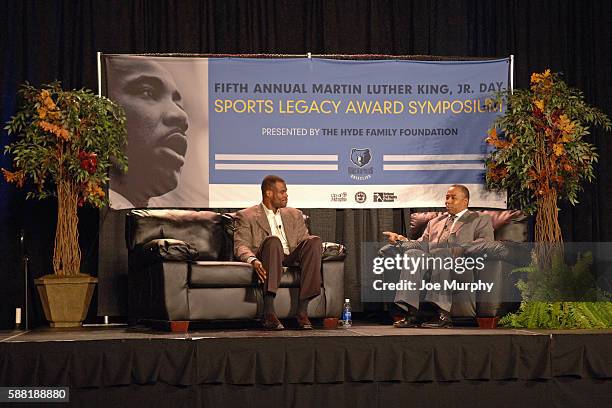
(45, 40)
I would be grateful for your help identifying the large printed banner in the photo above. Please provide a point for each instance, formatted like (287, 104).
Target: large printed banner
(343, 134)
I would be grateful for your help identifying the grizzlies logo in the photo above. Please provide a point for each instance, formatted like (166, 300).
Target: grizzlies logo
(360, 157)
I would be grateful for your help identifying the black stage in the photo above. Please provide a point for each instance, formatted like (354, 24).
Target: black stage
(365, 366)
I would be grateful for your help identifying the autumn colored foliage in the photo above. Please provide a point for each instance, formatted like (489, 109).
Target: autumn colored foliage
(541, 148)
(64, 145)
(73, 136)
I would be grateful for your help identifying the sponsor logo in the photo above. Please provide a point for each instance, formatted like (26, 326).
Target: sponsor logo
(362, 169)
(384, 197)
(361, 197)
(338, 198)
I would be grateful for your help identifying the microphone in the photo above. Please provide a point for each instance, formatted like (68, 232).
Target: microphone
(280, 231)
(22, 241)
(22, 244)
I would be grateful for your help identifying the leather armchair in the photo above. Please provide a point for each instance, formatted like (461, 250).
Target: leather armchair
(503, 255)
(181, 268)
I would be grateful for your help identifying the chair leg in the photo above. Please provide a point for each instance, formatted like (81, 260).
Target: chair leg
(179, 326)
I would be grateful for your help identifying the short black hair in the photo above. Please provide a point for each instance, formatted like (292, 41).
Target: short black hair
(269, 182)
(463, 189)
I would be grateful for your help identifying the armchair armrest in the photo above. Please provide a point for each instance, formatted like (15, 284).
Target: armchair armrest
(333, 252)
(513, 252)
(165, 250)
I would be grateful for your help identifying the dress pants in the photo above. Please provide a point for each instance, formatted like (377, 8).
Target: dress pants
(307, 256)
(442, 298)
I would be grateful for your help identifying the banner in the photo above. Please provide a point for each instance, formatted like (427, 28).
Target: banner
(343, 134)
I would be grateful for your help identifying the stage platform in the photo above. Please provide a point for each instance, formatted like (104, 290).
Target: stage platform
(368, 365)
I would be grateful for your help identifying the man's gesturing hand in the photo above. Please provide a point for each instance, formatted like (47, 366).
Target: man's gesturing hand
(393, 236)
(260, 270)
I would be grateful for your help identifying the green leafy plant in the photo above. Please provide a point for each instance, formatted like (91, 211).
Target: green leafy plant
(541, 155)
(66, 141)
(540, 151)
(560, 315)
(585, 306)
(561, 281)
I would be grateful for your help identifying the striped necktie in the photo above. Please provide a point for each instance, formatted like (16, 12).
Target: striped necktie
(448, 225)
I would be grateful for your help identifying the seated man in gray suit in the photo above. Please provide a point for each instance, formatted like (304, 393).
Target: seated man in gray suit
(271, 235)
(445, 236)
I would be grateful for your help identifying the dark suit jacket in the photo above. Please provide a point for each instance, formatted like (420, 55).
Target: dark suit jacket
(252, 227)
(471, 228)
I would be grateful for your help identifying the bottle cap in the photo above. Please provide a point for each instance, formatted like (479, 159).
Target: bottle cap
(346, 300)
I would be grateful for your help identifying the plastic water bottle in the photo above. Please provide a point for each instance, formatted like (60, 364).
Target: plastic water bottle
(347, 320)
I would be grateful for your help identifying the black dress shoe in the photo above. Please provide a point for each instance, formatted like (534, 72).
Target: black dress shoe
(303, 322)
(407, 323)
(443, 320)
(271, 322)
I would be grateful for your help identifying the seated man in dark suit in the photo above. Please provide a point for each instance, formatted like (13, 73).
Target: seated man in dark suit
(445, 236)
(271, 235)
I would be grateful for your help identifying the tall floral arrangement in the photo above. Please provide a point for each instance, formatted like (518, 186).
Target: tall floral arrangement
(540, 152)
(65, 143)
(541, 155)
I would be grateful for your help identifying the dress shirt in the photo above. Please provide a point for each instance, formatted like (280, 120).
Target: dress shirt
(457, 216)
(276, 226)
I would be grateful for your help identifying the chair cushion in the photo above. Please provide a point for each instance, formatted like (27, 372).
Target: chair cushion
(221, 274)
(210, 274)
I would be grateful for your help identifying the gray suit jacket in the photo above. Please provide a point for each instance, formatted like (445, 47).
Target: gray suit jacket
(252, 227)
(471, 228)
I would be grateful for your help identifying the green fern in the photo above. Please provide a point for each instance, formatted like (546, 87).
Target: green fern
(560, 315)
(542, 291)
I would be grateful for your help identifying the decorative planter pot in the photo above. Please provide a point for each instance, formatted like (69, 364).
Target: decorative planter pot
(330, 323)
(487, 322)
(65, 299)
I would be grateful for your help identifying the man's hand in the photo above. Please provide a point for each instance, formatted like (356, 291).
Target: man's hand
(260, 270)
(393, 236)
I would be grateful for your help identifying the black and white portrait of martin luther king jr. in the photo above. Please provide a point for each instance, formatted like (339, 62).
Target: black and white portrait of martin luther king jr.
(157, 125)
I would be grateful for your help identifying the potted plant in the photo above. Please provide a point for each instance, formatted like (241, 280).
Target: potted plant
(540, 156)
(65, 143)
